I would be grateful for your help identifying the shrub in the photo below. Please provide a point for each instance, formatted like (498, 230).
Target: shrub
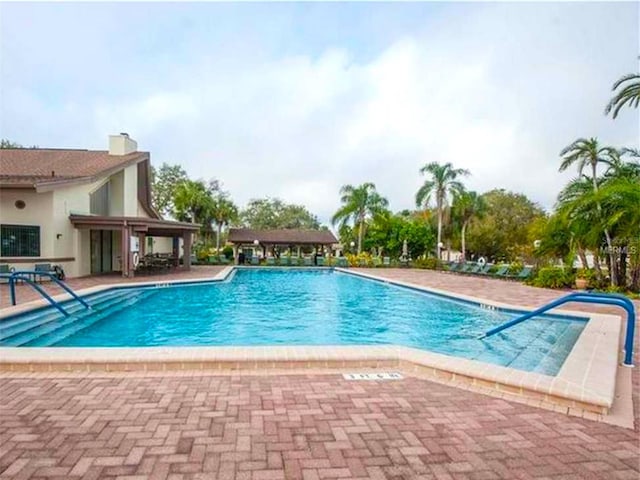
(228, 252)
(361, 260)
(515, 267)
(554, 277)
(429, 263)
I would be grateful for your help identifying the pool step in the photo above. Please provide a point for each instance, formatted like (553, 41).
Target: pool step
(66, 329)
(22, 323)
(24, 329)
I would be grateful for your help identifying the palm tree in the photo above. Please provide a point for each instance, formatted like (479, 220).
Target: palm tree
(629, 93)
(223, 211)
(358, 205)
(467, 206)
(588, 152)
(193, 203)
(442, 183)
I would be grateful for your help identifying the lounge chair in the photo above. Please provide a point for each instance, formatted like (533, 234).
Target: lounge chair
(485, 270)
(255, 260)
(522, 274)
(295, 261)
(342, 262)
(501, 272)
(455, 267)
(307, 262)
(464, 268)
(271, 261)
(474, 269)
(284, 261)
(320, 261)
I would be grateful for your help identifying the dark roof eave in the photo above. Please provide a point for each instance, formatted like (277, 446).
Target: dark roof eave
(132, 221)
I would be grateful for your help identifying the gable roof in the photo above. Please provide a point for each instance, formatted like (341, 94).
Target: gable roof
(312, 237)
(37, 167)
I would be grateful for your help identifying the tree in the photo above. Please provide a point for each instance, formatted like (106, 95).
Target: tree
(588, 152)
(273, 214)
(164, 182)
(6, 143)
(467, 206)
(628, 93)
(442, 183)
(193, 201)
(223, 212)
(359, 204)
(504, 232)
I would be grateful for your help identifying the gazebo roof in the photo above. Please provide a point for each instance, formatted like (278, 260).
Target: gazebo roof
(282, 237)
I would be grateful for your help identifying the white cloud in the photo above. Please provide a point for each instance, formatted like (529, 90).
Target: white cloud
(498, 89)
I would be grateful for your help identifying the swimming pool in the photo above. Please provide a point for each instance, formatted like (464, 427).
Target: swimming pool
(298, 307)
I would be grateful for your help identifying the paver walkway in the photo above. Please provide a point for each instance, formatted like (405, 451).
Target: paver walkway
(199, 425)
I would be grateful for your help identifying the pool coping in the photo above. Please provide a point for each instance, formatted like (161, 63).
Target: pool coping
(583, 386)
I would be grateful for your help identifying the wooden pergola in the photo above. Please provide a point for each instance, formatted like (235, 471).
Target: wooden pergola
(287, 238)
(141, 227)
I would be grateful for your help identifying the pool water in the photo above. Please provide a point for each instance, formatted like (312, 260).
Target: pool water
(308, 307)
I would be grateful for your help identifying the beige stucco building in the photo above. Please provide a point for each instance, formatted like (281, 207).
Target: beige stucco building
(88, 211)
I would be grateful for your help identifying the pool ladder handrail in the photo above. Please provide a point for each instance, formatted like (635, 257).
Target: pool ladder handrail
(584, 297)
(25, 276)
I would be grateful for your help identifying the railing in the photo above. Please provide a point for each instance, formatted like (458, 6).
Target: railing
(26, 276)
(584, 297)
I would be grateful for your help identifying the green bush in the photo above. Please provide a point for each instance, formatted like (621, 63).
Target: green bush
(515, 267)
(554, 277)
(364, 259)
(429, 263)
(228, 252)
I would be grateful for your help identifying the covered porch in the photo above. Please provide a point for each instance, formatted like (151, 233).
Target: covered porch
(121, 242)
(273, 243)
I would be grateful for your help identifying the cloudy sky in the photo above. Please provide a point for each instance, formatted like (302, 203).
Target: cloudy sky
(295, 100)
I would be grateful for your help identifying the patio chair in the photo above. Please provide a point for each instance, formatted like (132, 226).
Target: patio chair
(455, 267)
(320, 261)
(307, 262)
(5, 270)
(386, 261)
(271, 261)
(342, 262)
(377, 261)
(295, 261)
(255, 260)
(284, 261)
(41, 268)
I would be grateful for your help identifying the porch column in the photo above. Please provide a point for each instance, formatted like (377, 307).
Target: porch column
(186, 250)
(125, 260)
(299, 251)
(143, 243)
(235, 254)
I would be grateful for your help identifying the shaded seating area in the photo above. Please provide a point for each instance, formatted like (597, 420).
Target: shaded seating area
(285, 247)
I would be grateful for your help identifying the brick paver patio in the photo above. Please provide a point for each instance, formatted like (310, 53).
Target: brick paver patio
(200, 425)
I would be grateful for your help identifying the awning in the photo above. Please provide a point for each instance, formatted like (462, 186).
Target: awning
(150, 226)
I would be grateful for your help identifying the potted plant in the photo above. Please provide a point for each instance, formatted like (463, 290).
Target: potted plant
(582, 279)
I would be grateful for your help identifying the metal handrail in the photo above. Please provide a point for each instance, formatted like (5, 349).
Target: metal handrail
(25, 275)
(584, 297)
(40, 290)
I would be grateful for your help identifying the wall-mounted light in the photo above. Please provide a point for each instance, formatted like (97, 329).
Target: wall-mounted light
(58, 236)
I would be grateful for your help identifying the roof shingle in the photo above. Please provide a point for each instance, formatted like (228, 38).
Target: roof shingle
(313, 237)
(35, 166)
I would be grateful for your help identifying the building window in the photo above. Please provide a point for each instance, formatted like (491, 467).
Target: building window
(99, 200)
(19, 241)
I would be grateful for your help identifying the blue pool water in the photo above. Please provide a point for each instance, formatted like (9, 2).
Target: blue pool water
(301, 307)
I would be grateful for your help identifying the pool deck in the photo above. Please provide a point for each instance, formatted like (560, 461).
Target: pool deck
(291, 424)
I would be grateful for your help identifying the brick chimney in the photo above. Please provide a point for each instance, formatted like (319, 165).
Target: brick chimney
(122, 144)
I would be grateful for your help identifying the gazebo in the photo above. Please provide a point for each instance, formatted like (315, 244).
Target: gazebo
(290, 239)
